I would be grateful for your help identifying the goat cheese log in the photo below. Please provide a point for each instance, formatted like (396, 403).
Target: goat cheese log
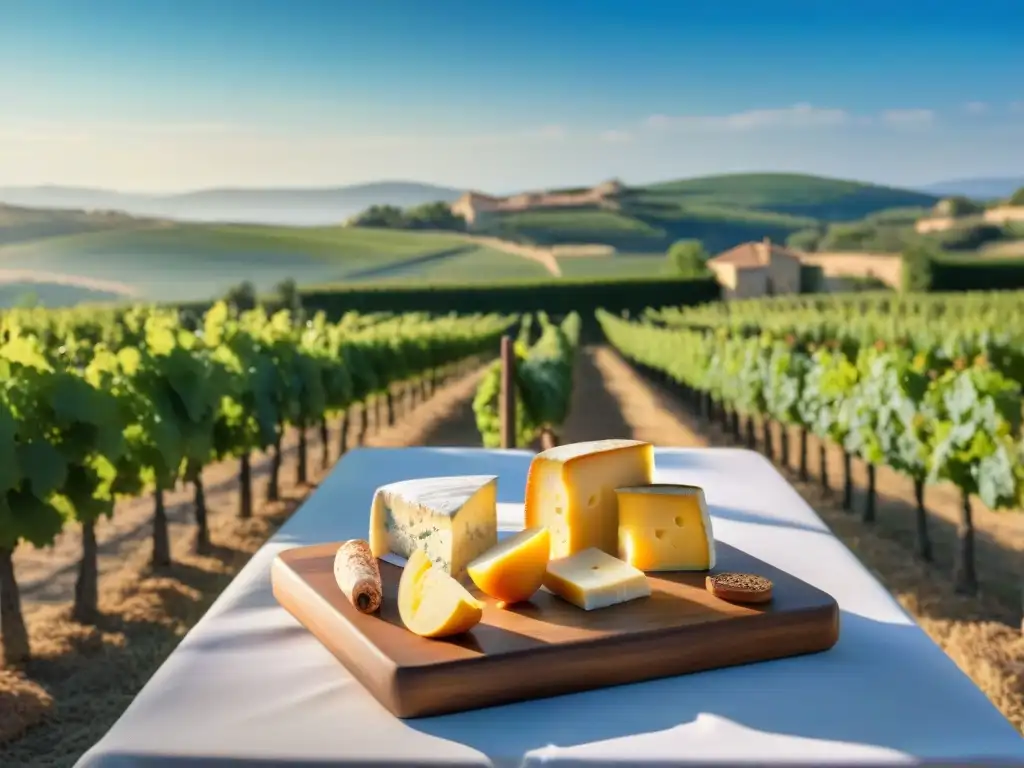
(358, 576)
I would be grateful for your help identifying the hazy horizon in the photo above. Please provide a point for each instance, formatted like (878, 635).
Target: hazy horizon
(291, 188)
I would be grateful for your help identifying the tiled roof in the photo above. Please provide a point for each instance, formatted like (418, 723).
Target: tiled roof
(750, 255)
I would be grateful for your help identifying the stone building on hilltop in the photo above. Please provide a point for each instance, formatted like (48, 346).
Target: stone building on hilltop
(751, 270)
(474, 207)
(477, 208)
(609, 188)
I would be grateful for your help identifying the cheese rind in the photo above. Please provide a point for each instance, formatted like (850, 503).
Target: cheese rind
(570, 489)
(594, 579)
(451, 519)
(513, 570)
(665, 527)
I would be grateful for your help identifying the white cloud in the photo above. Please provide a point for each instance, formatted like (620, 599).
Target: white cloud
(908, 118)
(1016, 107)
(799, 116)
(616, 137)
(796, 116)
(976, 107)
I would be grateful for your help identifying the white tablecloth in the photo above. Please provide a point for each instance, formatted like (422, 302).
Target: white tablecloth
(249, 686)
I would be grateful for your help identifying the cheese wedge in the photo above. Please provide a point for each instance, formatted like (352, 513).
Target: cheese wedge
(665, 527)
(451, 519)
(514, 569)
(433, 604)
(594, 579)
(570, 489)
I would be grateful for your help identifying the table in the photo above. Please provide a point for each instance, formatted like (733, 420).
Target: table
(249, 686)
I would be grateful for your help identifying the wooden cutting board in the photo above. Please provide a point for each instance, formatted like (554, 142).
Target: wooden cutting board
(547, 647)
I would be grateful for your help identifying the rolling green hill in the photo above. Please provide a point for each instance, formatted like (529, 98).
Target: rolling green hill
(580, 225)
(289, 207)
(721, 211)
(194, 261)
(51, 295)
(619, 265)
(174, 260)
(24, 224)
(802, 195)
(646, 228)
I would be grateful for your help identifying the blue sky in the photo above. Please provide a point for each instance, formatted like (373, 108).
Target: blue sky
(158, 95)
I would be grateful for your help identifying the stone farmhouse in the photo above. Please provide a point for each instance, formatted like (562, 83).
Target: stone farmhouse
(750, 270)
(477, 208)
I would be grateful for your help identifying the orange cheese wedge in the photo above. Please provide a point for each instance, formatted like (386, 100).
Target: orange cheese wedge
(432, 603)
(513, 570)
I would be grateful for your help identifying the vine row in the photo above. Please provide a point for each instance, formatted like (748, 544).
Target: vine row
(94, 408)
(912, 407)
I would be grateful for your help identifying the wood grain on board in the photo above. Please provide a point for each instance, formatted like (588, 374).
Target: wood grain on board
(547, 647)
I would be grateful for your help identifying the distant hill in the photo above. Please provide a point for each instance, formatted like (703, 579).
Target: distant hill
(794, 194)
(286, 207)
(21, 224)
(183, 261)
(145, 249)
(721, 211)
(979, 189)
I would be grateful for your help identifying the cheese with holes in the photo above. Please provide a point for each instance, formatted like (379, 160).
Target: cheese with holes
(665, 527)
(570, 489)
(450, 519)
(594, 579)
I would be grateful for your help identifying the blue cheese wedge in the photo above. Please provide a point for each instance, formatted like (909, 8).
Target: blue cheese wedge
(452, 520)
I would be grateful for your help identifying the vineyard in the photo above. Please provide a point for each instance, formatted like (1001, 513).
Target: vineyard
(543, 379)
(99, 407)
(925, 386)
(102, 406)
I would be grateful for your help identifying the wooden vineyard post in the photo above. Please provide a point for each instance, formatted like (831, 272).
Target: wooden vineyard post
(548, 439)
(507, 398)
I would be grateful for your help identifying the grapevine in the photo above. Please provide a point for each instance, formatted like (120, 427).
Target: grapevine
(933, 405)
(99, 404)
(543, 381)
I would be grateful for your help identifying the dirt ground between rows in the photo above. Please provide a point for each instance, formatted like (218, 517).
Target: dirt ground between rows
(84, 677)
